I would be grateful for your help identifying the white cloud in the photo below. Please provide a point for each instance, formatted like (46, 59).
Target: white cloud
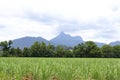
(18, 27)
(96, 20)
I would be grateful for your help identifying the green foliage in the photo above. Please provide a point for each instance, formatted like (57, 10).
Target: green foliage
(107, 51)
(92, 50)
(116, 51)
(50, 51)
(26, 52)
(19, 52)
(69, 53)
(5, 45)
(36, 50)
(15, 52)
(79, 50)
(87, 49)
(40, 49)
(60, 52)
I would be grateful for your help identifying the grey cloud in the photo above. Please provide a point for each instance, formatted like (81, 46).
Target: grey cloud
(69, 26)
(101, 24)
(108, 34)
(74, 25)
(47, 19)
(64, 25)
(115, 8)
(2, 26)
(103, 20)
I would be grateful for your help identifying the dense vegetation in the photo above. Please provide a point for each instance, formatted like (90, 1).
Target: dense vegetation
(40, 49)
(59, 69)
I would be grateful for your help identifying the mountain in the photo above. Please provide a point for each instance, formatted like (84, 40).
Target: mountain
(27, 41)
(115, 43)
(99, 44)
(66, 39)
(61, 39)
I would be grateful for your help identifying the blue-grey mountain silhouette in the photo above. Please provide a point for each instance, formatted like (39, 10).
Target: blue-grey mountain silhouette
(66, 39)
(27, 41)
(115, 43)
(61, 39)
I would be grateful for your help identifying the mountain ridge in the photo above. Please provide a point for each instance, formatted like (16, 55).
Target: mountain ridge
(66, 39)
(27, 41)
(115, 43)
(61, 39)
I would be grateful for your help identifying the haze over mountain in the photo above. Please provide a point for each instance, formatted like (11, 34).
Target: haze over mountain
(115, 43)
(99, 44)
(66, 39)
(27, 41)
(61, 39)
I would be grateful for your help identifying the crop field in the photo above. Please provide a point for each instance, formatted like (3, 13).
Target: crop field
(59, 69)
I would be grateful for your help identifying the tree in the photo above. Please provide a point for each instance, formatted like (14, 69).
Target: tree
(26, 52)
(69, 53)
(16, 52)
(116, 51)
(92, 49)
(5, 46)
(87, 49)
(13, 52)
(107, 51)
(50, 51)
(35, 50)
(38, 49)
(60, 52)
(79, 50)
(19, 52)
(43, 49)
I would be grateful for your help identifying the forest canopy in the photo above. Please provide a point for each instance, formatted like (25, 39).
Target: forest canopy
(40, 49)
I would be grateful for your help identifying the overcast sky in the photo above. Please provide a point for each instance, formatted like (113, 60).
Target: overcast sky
(97, 20)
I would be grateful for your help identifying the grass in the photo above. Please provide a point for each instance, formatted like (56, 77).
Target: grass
(59, 69)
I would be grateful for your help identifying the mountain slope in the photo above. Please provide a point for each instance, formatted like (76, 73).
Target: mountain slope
(65, 39)
(61, 39)
(99, 44)
(27, 41)
(115, 43)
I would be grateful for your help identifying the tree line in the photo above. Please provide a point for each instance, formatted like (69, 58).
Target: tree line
(39, 49)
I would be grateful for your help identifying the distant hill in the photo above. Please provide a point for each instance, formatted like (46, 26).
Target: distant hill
(27, 41)
(61, 39)
(115, 43)
(99, 44)
(66, 39)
